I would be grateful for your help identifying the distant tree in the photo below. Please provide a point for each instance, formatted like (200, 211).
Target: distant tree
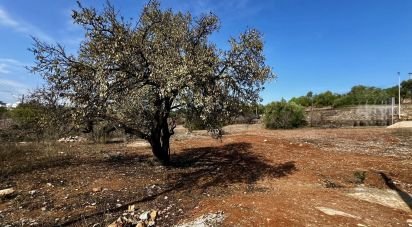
(284, 115)
(261, 109)
(305, 101)
(134, 74)
(302, 100)
(406, 89)
(3, 111)
(325, 99)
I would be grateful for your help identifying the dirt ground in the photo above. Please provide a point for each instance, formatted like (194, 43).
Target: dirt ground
(254, 177)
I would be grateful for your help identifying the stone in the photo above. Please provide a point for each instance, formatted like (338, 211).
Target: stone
(114, 224)
(97, 189)
(211, 219)
(151, 223)
(6, 192)
(131, 208)
(32, 192)
(141, 224)
(385, 197)
(43, 209)
(144, 216)
(333, 212)
(153, 215)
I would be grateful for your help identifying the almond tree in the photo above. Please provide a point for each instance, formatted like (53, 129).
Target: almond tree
(136, 73)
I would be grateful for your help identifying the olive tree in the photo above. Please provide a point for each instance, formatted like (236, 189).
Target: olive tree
(135, 73)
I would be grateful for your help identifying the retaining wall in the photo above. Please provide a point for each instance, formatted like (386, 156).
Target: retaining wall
(365, 115)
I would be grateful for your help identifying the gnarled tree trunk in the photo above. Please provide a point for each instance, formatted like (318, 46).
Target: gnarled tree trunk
(160, 138)
(160, 147)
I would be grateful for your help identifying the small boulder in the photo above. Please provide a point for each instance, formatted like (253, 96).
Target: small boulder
(97, 189)
(144, 216)
(131, 208)
(153, 215)
(151, 223)
(6, 192)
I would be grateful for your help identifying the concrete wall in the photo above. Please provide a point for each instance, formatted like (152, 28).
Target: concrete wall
(364, 115)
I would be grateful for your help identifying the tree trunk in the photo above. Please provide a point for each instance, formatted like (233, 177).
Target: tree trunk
(159, 140)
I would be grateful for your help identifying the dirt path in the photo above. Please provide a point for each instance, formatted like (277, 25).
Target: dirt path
(255, 177)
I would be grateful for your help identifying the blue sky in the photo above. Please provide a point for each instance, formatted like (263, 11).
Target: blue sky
(313, 45)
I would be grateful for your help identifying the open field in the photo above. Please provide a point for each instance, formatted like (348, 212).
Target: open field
(254, 177)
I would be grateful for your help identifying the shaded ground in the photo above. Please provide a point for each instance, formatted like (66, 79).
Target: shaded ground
(255, 177)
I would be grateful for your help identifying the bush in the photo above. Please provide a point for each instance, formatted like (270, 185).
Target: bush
(284, 115)
(3, 111)
(34, 121)
(194, 123)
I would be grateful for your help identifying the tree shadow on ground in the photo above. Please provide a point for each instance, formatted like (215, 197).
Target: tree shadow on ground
(228, 164)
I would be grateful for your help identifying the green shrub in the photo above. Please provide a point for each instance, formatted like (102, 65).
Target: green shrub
(34, 121)
(284, 115)
(194, 123)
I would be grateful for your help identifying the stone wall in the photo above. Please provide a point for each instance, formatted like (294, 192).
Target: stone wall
(365, 115)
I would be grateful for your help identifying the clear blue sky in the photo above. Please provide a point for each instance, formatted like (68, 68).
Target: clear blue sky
(313, 45)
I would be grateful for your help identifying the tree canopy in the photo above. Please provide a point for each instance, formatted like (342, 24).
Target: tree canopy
(136, 73)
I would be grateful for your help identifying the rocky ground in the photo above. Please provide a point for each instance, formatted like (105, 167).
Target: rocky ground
(254, 177)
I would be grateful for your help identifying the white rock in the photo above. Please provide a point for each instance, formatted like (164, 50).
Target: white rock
(6, 192)
(385, 197)
(212, 219)
(332, 212)
(144, 216)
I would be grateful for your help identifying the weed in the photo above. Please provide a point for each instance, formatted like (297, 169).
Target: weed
(360, 176)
